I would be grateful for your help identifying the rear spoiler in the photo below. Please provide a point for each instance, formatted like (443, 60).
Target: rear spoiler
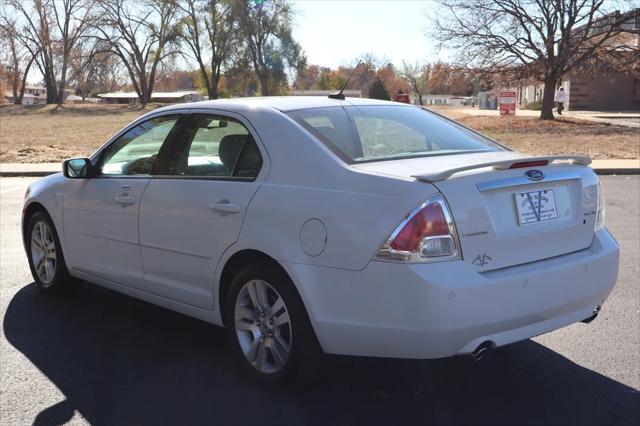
(445, 172)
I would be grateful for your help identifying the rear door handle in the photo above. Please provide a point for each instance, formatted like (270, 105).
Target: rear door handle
(125, 199)
(225, 207)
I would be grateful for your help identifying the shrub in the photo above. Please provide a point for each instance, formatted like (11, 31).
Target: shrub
(535, 105)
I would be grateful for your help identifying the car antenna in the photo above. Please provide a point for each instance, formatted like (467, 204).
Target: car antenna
(339, 95)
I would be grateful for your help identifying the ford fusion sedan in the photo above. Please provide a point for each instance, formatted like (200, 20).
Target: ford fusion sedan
(345, 226)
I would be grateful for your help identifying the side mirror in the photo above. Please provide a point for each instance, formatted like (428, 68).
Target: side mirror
(77, 168)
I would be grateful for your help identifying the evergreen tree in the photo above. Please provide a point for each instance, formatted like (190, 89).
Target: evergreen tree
(378, 91)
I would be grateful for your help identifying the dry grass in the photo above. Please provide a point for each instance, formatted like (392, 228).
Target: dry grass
(48, 134)
(561, 136)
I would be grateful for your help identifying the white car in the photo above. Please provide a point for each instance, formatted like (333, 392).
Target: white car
(353, 227)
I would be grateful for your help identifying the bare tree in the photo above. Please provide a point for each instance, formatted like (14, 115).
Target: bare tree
(53, 27)
(141, 34)
(271, 47)
(16, 56)
(417, 76)
(72, 18)
(547, 39)
(210, 30)
(93, 68)
(365, 75)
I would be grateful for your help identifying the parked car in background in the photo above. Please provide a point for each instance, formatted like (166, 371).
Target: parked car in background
(309, 225)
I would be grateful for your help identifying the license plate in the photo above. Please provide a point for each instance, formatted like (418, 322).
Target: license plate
(536, 206)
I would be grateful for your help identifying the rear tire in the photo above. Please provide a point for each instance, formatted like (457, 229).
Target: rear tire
(44, 252)
(269, 326)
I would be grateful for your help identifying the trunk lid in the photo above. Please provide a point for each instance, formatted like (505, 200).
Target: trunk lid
(503, 216)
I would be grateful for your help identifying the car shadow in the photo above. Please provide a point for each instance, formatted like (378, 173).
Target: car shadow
(118, 360)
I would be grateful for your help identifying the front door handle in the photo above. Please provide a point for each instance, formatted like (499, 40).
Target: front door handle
(225, 207)
(125, 199)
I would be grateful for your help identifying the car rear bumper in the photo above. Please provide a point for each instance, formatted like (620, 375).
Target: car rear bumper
(442, 309)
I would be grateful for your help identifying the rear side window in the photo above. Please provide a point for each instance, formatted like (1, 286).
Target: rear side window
(215, 146)
(374, 133)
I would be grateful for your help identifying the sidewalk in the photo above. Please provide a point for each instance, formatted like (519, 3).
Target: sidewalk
(616, 167)
(29, 169)
(628, 119)
(601, 167)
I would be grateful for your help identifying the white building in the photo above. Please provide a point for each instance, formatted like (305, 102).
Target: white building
(162, 97)
(446, 100)
(346, 93)
(33, 95)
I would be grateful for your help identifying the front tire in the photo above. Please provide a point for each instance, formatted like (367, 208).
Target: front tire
(46, 260)
(269, 326)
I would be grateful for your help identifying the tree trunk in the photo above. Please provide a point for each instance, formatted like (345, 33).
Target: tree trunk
(47, 85)
(50, 83)
(23, 84)
(51, 86)
(15, 84)
(264, 84)
(145, 96)
(204, 75)
(420, 98)
(213, 91)
(216, 73)
(63, 82)
(546, 112)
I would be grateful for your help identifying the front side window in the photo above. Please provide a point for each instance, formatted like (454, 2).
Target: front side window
(135, 152)
(374, 133)
(215, 146)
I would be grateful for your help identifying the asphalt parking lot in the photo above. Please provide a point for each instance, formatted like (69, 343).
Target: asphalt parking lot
(98, 357)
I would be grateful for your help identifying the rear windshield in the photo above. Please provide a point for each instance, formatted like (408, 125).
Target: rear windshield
(374, 133)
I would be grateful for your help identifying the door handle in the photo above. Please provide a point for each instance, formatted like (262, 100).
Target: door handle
(125, 199)
(225, 207)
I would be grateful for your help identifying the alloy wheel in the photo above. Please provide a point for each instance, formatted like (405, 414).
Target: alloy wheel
(43, 252)
(263, 326)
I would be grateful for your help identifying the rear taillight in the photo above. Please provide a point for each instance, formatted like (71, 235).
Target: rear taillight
(601, 212)
(426, 234)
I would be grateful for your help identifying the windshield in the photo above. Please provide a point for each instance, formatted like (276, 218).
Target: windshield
(374, 133)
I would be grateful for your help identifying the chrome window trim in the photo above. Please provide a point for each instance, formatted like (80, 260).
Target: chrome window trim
(197, 177)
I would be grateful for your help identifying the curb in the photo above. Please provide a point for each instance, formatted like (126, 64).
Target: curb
(28, 174)
(627, 171)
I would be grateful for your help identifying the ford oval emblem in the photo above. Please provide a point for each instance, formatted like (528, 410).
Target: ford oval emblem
(534, 174)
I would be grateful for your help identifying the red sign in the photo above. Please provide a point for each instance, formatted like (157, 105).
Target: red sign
(507, 103)
(403, 97)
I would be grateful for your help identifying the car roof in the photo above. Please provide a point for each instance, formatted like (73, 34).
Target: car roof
(280, 103)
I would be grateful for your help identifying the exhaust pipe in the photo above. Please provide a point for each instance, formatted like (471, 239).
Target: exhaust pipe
(482, 350)
(596, 310)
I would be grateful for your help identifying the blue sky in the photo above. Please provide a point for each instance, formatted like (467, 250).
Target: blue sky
(333, 32)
